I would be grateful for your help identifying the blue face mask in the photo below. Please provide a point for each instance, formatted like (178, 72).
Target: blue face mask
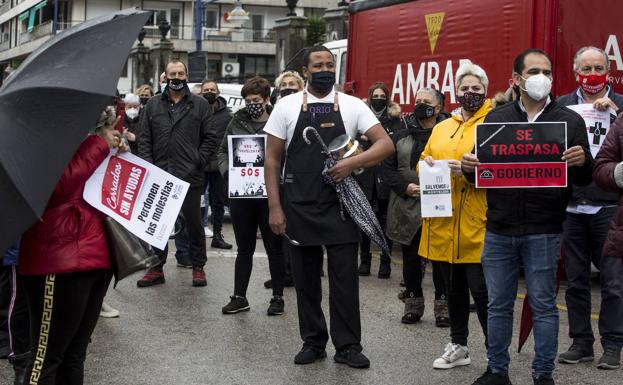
(163, 87)
(323, 81)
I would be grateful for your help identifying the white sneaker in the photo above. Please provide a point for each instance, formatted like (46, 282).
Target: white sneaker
(209, 233)
(455, 355)
(108, 312)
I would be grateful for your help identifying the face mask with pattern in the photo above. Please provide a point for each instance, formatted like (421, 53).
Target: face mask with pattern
(472, 101)
(255, 110)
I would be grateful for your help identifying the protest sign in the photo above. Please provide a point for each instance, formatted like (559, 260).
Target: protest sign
(435, 189)
(246, 166)
(521, 154)
(597, 124)
(140, 196)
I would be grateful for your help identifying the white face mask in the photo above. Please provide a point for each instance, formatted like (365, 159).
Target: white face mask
(131, 113)
(538, 86)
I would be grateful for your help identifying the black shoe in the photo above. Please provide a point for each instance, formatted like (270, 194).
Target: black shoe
(611, 358)
(236, 305)
(489, 378)
(543, 381)
(385, 269)
(577, 353)
(218, 242)
(364, 266)
(276, 306)
(352, 358)
(309, 355)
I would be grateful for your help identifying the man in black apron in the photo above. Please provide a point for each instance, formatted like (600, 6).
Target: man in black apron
(311, 207)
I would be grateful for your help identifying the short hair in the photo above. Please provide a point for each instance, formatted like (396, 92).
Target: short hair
(176, 61)
(576, 59)
(316, 48)
(436, 94)
(256, 85)
(520, 61)
(203, 83)
(107, 117)
(293, 74)
(131, 99)
(143, 88)
(467, 68)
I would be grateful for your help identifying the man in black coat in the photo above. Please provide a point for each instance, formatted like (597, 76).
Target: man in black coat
(177, 135)
(589, 214)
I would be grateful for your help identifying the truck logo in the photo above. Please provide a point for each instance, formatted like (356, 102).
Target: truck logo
(433, 26)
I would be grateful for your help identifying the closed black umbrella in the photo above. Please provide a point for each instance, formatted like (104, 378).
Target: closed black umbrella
(351, 197)
(49, 104)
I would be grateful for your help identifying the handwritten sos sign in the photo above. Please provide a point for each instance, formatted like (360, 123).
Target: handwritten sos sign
(521, 154)
(246, 166)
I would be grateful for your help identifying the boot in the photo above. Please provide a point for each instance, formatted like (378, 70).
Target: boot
(20, 365)
(364, 266)
(385, 268)
(414, 310)
(442, 318)
(218, 242)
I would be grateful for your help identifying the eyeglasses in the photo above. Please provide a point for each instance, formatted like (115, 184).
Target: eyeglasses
(585, 70)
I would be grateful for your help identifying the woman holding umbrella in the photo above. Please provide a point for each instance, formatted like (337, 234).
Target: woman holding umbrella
(66, 266)
(456, 242)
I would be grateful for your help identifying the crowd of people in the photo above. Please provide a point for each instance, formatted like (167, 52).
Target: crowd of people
(55, 278)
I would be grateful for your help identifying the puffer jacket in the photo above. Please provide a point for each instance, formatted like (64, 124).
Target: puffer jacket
(221, 116)
(372, 180)
(241, 124)
(460, 238)
(611, 154)
(181, 144)
(70, 236)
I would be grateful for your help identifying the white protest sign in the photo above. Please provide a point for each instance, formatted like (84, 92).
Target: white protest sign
(435, 189)
(597, 124)
(140, 196)
(246, 166)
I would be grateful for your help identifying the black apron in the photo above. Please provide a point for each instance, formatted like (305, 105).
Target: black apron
(311, 206)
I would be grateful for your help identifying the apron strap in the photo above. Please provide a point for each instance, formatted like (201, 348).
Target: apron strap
(336, 106)
(304, 101)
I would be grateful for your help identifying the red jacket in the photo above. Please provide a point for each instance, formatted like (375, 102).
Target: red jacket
(70, 235)
(610, 154)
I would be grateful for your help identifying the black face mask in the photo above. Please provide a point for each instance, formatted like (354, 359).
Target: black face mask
(144, 100)
(210, 97)
(323, 81)
(176, 84)
(378, 104)
(423, 111)
(287, 91)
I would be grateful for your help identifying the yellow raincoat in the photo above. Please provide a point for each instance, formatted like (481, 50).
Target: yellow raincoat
(458, 239)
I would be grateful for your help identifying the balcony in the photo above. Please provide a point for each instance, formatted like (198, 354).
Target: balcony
(44, 29)
(5, 7)
(247, 35)
(5, 45)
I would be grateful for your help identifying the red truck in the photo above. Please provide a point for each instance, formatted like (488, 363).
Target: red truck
(420, 43)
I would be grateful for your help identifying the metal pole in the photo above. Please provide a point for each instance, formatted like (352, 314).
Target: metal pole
(198, 25)
(55, 19)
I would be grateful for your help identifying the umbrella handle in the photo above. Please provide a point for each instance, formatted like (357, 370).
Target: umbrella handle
(307, 129)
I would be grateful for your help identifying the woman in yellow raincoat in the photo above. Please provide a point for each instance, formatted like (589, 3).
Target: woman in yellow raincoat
(454, 244)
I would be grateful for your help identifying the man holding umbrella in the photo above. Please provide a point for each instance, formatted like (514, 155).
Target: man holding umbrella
(177, 135)
(312, 209)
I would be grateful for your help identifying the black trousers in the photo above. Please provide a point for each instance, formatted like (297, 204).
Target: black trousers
(381, 216)
(461, 279)
(64, 309)
(343, 295)
(246, 216)
(583, 238)
(191, 210)
(5, 302)
(413, 270)
(216, 186)
(17, 315)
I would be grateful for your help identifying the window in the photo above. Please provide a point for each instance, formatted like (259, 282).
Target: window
(164, 11)
(210, 19)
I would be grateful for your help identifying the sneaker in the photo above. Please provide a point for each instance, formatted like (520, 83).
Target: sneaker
(455, 355)
(108, 312)
(442, 317)
(153, 277)
(352, 358)
(309, 355)
(218, 242)
(208, 232)
(236, 305)
(611, 358)
(489, 378)
(199, 277)
(577, 353)
(276, 306)
(543, 381)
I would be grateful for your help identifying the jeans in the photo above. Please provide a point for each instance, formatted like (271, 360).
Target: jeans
(501, 258)
(583, 240)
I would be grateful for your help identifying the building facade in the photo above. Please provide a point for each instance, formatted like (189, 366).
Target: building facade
(234, 51)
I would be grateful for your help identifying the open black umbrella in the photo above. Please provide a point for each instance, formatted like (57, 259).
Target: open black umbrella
(351, 197)
(49, 104)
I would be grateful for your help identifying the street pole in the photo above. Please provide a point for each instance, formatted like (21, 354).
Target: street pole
(55, 18)
(198, 25)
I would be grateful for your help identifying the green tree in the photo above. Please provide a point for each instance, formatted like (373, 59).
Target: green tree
(316, 32)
